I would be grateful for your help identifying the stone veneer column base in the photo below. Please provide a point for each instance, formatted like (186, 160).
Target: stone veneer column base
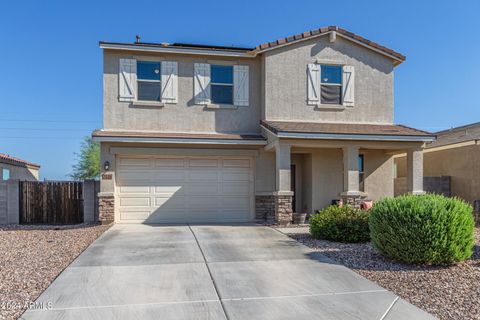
(106, 208)
(273, 209)
(354, 200)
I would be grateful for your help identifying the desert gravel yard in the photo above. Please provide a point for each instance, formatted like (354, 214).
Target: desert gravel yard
(446, 292)
(32, 257)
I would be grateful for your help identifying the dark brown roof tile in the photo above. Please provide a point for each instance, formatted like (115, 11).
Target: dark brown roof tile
(343, 128)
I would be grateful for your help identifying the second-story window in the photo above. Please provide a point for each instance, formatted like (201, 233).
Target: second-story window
(221, 84)
(331, 84)
(148, 81)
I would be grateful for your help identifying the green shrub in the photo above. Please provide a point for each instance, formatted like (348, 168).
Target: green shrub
(426, 229)
(342, 224)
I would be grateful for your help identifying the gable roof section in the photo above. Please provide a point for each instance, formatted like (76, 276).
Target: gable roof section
(5, 158)
(354, 131)
(252, 52)
(325, 30)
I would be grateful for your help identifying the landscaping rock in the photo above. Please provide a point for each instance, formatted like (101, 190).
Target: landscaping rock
(451, 292)
(33, 256)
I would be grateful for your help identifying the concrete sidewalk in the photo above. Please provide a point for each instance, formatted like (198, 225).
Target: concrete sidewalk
(212, 272)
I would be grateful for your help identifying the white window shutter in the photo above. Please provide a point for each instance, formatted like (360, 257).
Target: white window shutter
(313, 83)
(169, 78)
(240, 85)
(127, 77)
(201, 83)
(348, 86)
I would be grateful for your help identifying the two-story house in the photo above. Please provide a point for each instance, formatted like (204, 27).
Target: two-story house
(196, 133)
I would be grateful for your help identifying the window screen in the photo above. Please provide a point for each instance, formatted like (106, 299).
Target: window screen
(221, 84)
(331, 84)
(148, 80)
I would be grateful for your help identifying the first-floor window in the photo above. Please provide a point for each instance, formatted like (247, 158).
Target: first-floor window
(361, 172)
(331, 84)
(221, 84)
(148, 81)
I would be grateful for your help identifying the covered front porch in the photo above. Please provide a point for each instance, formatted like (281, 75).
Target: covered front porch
(313, 171)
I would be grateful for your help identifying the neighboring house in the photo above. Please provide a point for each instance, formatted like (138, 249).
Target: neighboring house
(17, 169)
(196, 133)
(455, 153)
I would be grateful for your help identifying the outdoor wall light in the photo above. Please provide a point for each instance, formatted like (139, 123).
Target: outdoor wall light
(106, 165)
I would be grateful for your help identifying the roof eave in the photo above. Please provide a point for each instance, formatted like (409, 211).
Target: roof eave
(169, 49)
(396, 60)
(166, 140)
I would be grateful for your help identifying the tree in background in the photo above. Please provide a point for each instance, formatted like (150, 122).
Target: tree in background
(88, 161)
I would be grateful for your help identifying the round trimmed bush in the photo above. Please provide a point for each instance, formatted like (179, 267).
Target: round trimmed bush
(341, 224)
(423, 229)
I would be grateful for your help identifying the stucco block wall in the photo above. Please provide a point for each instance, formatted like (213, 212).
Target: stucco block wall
(183, 116)
(9, 202)
(378, 174)
(285, 82)
(265, 173)
(462, 164)
(20, 172)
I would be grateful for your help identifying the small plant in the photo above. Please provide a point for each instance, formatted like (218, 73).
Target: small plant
(426, 229)
(342, 224)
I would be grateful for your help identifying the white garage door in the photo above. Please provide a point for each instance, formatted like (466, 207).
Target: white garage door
(185, 190)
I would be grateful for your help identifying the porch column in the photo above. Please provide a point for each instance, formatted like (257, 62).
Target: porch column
(282, 164)
(415, 171)
(350, 170)
(351, 187)
(283, 195)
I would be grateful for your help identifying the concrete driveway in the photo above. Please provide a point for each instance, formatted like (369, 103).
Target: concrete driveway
(212, 272)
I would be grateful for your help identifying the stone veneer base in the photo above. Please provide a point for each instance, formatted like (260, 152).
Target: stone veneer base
(273, 209)
(106, 209)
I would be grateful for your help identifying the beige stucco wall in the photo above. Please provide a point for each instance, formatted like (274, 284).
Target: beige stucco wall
(20, 172)
(286, 82)
(322, 176)
(462, 164)
(183, 116)
(378, 174)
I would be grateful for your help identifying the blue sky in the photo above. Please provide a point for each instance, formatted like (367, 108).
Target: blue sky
(51, 85)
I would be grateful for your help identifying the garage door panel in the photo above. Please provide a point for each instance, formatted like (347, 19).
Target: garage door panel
(130, 176)
(170, 162)
(174, 202)
(168, 175)
(238, 188)
(135, 201)
(135, 163)
(236, 176)
(203, 202)
(203, 162)
(182, 190)
(232, 203)
(134, 189)
(242, 163)
(205, 188)
(170, 188)
(203, 175)
(136, 215)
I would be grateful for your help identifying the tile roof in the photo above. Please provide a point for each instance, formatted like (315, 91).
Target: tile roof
(16, 161)
(152, 134)
(343, 128)
(323, 30)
